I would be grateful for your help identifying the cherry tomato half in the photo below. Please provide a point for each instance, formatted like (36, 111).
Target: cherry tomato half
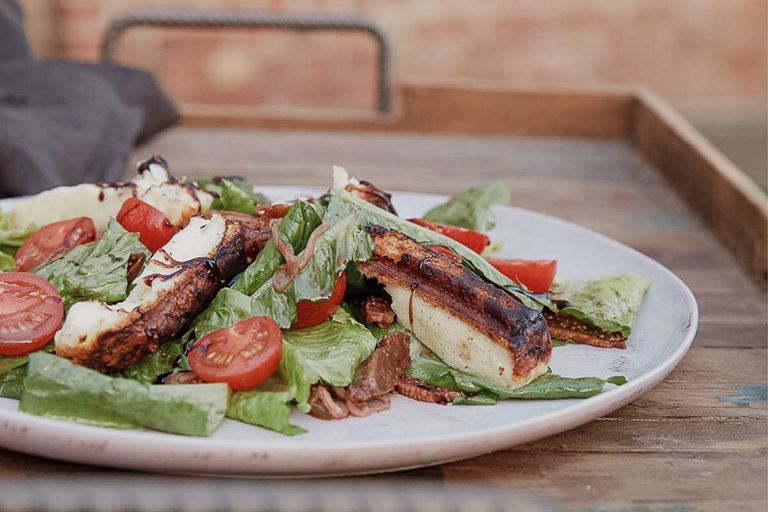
(243, 355)
(53, 241)
(472, 239)
(536, 275)
(154, 228)
(314, 313)
(31, 311)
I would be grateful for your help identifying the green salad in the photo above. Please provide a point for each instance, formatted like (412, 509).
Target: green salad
(196, 332)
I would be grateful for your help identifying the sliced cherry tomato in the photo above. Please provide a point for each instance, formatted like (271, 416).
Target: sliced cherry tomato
(446, 251)
(472, 239)
(31, 311)
(314, 313)
(243, 355)
(536, 275)
(53, 241)
(154, 228)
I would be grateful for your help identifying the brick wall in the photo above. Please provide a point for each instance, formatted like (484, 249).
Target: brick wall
(706, 56)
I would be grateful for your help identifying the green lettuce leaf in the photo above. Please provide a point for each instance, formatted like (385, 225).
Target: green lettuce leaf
(295, 228)
(234, 304)
(471, 209)
(426, 366)
(233, 194)
(343, 204)
(12, 383)
(98, 270)
(11, 239)
(13, 371)
(7, 262)
(9, 363)
(265, 407)
(328, 353)
(56, 388)
(346, 241)
(610, 303)
(158, 363)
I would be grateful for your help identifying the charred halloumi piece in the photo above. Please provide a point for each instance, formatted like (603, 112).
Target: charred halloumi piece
(470, 324)
(178, 282)
(153, 184)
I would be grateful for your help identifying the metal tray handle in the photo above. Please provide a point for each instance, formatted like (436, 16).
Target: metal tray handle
(244, 19)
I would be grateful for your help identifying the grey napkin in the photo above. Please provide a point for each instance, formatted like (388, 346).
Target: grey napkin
(65, 122)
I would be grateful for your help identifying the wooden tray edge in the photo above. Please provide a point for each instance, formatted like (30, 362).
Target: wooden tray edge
(722, 195)
(716, 190)
(448, 109)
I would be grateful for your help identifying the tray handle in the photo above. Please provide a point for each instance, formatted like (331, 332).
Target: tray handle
(244, 19)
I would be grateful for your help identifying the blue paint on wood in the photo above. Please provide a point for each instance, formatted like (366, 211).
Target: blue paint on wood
(750, 394)
(670, 221)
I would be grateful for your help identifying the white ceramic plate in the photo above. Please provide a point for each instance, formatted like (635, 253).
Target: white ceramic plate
(412, 434)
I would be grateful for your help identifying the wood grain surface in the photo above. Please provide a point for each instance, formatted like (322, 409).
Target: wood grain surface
(697, 441)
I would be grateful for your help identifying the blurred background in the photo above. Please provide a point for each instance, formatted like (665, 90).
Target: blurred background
(706, 57)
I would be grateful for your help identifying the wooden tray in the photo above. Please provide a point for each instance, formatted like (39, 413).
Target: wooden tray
(719, 193)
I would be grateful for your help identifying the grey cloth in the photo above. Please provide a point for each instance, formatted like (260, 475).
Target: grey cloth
(65, 122)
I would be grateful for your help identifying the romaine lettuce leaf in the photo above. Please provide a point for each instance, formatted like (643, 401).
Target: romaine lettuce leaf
(471, 209)
(8, 363)
(343, 204)
(56, 388)
(295, 228)
(346, 241)
(428, 367)
(7, 262)
(98, 270)
(158, 363)
(12, 383)
(328, 353)
(13, 370)
(265, 408)
(610, 303)
(11, 239)
(233, 194)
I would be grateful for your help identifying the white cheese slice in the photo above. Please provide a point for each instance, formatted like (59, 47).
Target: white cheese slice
(457, 343)
(85, 320)
(102, 201)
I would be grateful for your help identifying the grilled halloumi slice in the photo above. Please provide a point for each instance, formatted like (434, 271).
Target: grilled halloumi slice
(470, 324)
(178, 282)
(100, 201)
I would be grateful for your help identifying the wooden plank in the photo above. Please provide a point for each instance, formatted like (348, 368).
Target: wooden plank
(590, 481)
(713, 436)
(708, 383)
(671, 399)
(462, 109)
(721, 194)
(721, 365)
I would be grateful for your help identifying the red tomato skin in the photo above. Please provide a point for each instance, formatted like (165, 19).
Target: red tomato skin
(473, 239)
(446, 251)
(154, 228)
(314, 313)
(31, 310)
(53, 241)
(243, 356)
(536, 275)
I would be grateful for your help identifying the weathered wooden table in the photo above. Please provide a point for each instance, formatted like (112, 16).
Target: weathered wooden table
(697, 441)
